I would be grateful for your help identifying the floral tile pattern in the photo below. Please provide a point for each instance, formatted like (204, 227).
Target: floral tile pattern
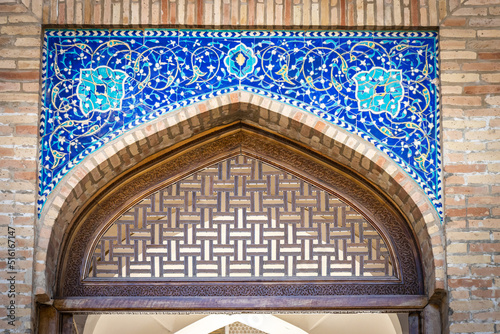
(382, 86)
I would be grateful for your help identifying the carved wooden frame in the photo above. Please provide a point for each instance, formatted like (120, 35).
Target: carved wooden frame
(72, 293)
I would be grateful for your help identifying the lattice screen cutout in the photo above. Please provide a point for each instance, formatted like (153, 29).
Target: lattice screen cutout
(240, 219)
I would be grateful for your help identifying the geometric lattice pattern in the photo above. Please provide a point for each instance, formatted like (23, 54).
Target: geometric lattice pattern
(240, 218)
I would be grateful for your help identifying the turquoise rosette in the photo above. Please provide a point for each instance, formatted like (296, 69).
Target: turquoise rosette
(240, 61)
(101, 89)
(379, 91)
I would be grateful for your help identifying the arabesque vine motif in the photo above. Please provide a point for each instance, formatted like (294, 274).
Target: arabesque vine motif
(381, 86)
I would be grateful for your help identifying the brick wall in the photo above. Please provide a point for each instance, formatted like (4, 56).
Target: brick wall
(470, 60)
(19, 78)
(470, 63)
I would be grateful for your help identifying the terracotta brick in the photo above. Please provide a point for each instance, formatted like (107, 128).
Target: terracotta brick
(452, 44)
(9, 86)
(483, 112)
(31, 87)
(485, 247)
(483, 67)
(17, 141)
(481, 200)
(470, 11)
(495, 123)
(458, 55)
(28, 42)
(459, 317)
(6, 41)
(19, 75)
(27, 129)
(454, 201)
(454, 22)
(483, 135)
(6, 152)
(454, 157)
(491, 316)
(456, 248)
(449, 135)
(460, 294)
(484, 179)
(482, 89)
(463, 124)
(17, 8)
(7, 64)
(19, 97)
(484, 22)
(493, 100)
(462, 100)
(488, 33)
(493, 146)
(486, 293)
(486, 271)
(453, 212)
(477, 168)
(478, 212)
(14, 163)
(471, 305)
(25, 175)
(469, 283)
(23, 30)
(494, 11)
(460, 77)
(22, 18)
(454, 179)
(472, 328)
(469, 236)
(319, 126)
(447, 111)
(450, 65)
(485, 223)
(489, 55)
(28, 64)
(482, 44)
(482, 2)
(458, 33)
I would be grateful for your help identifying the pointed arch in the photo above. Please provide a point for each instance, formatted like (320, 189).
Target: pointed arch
(99, 172)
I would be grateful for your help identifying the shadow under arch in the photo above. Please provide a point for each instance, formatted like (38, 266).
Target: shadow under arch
(97, 174)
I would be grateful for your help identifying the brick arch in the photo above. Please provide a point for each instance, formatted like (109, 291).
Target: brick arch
(140, 146)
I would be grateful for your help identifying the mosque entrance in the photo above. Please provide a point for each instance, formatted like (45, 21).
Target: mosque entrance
(239, 229)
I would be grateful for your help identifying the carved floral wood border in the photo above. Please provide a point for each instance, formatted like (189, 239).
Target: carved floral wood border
(216, 146)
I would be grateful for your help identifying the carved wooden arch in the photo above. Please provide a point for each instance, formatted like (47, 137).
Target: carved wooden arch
(407, 293)
(86, 182)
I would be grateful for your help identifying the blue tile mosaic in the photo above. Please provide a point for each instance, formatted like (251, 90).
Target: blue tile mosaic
(382, 86)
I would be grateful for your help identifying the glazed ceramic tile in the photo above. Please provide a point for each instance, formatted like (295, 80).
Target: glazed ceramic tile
(381, 86)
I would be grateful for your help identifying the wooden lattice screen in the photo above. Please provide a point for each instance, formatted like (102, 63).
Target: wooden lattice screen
(240, 219)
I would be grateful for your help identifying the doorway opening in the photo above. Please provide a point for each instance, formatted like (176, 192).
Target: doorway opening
(243, 323)
(235, 222)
